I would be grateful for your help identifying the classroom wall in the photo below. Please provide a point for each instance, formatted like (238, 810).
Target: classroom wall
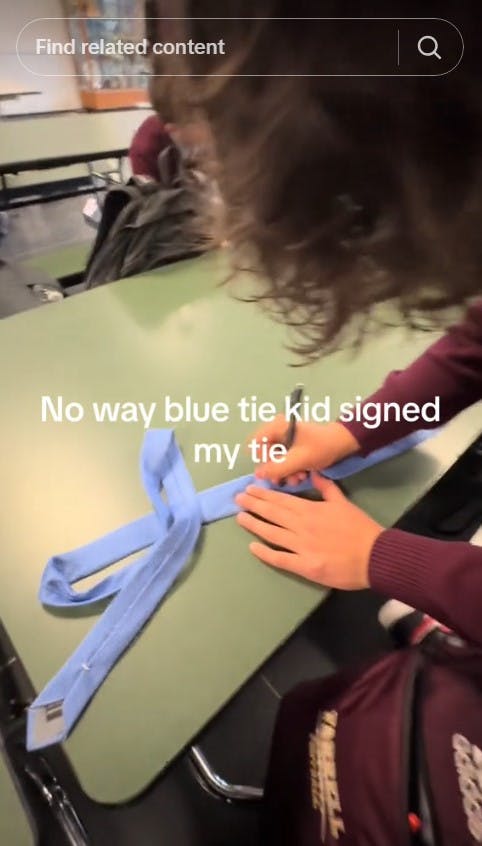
(56, 93)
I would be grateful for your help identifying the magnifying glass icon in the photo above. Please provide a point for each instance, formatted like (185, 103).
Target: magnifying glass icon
(432, 51)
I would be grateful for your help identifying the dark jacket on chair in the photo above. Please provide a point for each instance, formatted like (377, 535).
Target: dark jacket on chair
(145, 224)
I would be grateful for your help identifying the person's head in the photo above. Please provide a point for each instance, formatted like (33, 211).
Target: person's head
(340, 192)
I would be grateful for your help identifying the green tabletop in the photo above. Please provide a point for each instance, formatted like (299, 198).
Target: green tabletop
(32, 178)
(74, 133)
(14, 826)
(175, 332)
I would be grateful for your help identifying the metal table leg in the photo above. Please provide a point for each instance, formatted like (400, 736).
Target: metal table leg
(222, 788)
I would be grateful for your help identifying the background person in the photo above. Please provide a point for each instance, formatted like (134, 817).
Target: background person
(150, 139)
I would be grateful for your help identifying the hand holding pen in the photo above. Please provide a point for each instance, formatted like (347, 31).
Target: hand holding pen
(311, 446)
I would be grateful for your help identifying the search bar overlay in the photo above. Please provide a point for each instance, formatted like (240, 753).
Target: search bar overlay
(348, 47)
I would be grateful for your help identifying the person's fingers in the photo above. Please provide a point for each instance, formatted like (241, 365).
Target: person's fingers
(274, 557)
(275, 512)
(273, 534)
(277, 498)
(295, 461)
(328, 489)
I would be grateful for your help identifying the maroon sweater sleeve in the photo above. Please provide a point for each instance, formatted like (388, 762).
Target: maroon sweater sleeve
(440, 578)
(443, 579)
(451, 369)
(150, 139)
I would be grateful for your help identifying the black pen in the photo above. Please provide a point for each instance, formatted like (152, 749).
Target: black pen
(295, 397)
(291, 433)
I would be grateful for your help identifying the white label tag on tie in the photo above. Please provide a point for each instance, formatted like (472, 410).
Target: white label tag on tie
(48, 722)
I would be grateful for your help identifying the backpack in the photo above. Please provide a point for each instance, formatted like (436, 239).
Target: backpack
(146, 224)
(386, 755)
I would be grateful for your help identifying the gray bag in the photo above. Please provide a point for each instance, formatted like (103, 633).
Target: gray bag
(147, 224)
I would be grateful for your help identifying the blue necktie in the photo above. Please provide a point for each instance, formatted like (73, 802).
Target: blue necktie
(169, 534)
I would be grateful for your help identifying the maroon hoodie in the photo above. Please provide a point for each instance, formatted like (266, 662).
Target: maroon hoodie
(352, 752)
(444, 579)
(148, 142)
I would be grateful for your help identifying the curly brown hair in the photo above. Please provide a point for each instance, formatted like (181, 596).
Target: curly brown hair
(340, 193)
